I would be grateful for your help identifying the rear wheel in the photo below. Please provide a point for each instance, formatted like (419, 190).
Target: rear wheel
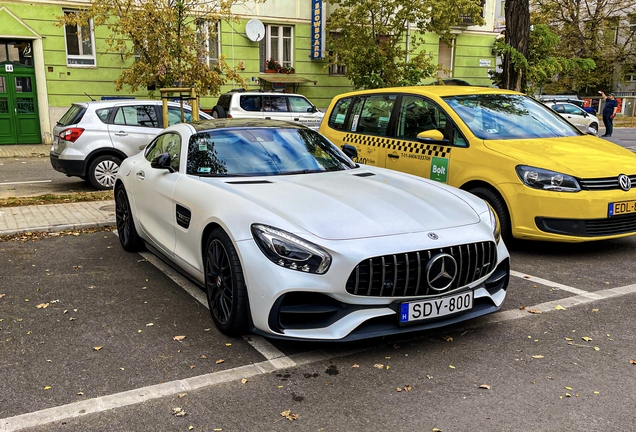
(594, 126)
(219, 112)
(102, 171)
(126, 230)
(497, 203)
(225, 285)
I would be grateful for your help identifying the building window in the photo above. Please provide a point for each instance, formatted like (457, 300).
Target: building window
(334, 68)
(80, 44)
(278, 45)
(208, 37)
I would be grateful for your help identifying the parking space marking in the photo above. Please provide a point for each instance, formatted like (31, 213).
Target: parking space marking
(555, 285)
(25, 182)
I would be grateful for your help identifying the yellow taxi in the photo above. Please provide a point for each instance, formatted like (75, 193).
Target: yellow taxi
(545, 179)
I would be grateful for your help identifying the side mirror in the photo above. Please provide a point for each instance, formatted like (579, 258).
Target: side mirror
(350, 151)
(162, 162)
(313, 109)
(432, 135)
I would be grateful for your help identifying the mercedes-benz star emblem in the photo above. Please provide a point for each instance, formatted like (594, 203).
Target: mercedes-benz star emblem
(441, 272)
(625, 182)
(433, 236)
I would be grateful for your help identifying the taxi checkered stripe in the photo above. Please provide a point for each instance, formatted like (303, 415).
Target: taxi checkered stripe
(399, 145)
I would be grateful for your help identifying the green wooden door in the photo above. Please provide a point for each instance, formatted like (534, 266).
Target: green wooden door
(19, 120)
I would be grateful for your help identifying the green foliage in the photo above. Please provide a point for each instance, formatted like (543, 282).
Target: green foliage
(160, 43)
(543, 64)
(370, 37)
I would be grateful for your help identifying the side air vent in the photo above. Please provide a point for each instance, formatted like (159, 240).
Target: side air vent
(364, 174)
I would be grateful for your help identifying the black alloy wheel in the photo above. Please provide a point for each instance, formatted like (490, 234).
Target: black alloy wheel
(225, 285)
(126, 230)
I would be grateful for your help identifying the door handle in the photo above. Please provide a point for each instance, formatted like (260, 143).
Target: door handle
(394, 156)
(121, 133)
(141, 175)
(268, 118)
(297, 119)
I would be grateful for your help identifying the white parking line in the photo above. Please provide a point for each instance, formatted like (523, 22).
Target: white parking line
(25, 182)
(555, 285)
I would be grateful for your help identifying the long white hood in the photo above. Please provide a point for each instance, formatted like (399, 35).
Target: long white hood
(341, 205)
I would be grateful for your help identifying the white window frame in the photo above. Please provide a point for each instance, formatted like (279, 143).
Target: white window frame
(210, 60)
(82, 56)
(279, 54)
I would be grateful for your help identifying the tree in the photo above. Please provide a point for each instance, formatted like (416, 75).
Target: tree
(517, 38)
(163, 38)
(596, 29)
(380, 41)
(542, 63)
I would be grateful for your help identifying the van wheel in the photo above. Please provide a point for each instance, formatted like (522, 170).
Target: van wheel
(219, 112)
(497, 203)
(101, 173)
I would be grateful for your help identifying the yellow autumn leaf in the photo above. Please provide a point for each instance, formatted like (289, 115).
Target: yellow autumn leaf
(2, 295)
(43, 305)
(534, 311)
(451, 366)
(537, 356)
(568, 339)
(181, 395)
(586, 339)
(596, 392)
(448, 338)
(289, 415)
(568, 388)
(149, 325)
(97, 348)
(595, 310)
(597, 349)
(355, 366)
(228, 344)
(568, 395)
(484, 386)
(559, 307)
(632, 361)
(80, 393)
(219, 361)
(407, 388)
(47, 387)
(244, 380)
(190, 427)
(178, 338)
(399, 389)
(378, 366)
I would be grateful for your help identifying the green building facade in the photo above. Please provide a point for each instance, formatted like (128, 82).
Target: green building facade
(45, 67)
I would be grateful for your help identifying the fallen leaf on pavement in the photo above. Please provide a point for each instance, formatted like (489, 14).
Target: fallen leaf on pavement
(451, 366)
(203, 356)
(178, 412)
(80, 393)
(219, 361)
(399, 389)
(594, 310)
(586, 339)
(355, 366)
(190, 427)
(448, 338)
(559, 307)
(97, 348)
(228, 344)
(2, 295)
(149, 325)
(597, 349)
(537, 356)
(568, 339)
(522, 307)
(632, 361)
(534, 311)
(192, 366)
(378, 366)
(289, 416)
(180, 395)
(568, 388)
(484, 386)
(244, 380)
(42, 305)
(47, 387)
(178, 338)
(407, 388)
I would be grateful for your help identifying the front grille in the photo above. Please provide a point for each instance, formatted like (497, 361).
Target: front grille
(403, 275)
(615, 225)
(607, 183)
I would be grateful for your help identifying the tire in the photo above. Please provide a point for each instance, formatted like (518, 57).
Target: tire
(497, 203)
(126, 230)
(219, 112)
(594, 126)
(101, 173)
(225, 284)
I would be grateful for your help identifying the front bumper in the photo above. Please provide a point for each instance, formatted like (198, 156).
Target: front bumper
(294, 305)
(567, 216)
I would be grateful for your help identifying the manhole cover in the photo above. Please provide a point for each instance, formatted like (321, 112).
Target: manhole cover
(108, 208)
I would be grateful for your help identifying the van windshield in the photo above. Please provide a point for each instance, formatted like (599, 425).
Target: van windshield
(505, 117)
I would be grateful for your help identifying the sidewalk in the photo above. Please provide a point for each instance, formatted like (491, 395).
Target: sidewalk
(18, 151)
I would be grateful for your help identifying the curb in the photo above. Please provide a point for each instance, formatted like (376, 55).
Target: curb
(57, 228)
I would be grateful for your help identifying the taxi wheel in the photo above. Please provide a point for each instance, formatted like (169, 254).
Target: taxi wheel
(497, 203)
(225, 284)
(126, 230)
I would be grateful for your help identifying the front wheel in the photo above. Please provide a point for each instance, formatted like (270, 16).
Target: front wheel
(225, 285)
(126, 230)
(102, 171)
(219, 112)
(594, 128)
(497, 203)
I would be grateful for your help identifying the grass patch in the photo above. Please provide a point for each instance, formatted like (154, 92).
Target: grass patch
(56, 199)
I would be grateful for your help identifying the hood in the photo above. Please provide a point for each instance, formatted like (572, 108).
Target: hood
(581, 156)
(342, 205)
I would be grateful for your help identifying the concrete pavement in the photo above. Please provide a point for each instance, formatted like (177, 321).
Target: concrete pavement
(17, 151)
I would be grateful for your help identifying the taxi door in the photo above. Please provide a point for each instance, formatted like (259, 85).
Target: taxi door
(415, 114)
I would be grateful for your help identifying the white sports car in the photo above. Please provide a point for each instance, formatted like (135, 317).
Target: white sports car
(290, 238)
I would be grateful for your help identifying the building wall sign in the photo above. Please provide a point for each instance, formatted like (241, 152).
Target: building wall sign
(318, 29)
(484, 63)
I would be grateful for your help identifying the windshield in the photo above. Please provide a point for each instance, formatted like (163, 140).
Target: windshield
(263, 151)
(504, 117)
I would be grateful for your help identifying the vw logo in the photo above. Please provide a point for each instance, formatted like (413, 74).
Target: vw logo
(625, 182)
(433, 236)
(441, 272)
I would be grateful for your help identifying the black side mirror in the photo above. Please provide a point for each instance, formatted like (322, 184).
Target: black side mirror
(350, 151)
(162, 162)
(313, 109)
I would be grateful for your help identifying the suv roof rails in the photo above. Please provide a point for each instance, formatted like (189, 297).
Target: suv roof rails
(237, 90)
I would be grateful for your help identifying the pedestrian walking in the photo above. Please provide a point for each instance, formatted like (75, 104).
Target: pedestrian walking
(609, 112)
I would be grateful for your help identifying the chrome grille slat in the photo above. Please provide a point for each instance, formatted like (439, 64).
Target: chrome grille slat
(474, 261)
(606, 183)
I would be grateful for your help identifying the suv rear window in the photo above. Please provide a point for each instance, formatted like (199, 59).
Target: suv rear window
(73, 115)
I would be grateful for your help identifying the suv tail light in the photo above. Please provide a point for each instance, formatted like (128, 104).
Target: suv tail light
(71, 134)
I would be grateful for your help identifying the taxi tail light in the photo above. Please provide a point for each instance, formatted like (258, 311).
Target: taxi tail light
(71, 134)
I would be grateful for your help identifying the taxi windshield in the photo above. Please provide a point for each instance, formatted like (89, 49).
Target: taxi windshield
(506, 117)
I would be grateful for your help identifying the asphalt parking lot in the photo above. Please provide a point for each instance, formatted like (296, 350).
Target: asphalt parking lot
(87, 342)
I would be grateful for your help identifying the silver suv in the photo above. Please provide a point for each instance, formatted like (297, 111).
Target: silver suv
(268, 106)
(92, 138)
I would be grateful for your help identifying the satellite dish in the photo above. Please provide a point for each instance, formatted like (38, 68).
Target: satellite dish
(254, 30)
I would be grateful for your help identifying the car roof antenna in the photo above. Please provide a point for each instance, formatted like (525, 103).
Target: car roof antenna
(89, 96)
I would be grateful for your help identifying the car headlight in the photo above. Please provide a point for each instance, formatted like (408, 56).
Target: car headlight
(547, 180)
(494, 222)
(289, 251)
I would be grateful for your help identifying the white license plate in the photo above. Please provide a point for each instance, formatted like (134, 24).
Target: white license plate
(439, 307)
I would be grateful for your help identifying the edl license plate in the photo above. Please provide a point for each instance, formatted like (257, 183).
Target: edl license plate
(623, 207)
(435, 308)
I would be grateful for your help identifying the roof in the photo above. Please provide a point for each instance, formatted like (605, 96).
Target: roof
(225, 123)
(439, 91)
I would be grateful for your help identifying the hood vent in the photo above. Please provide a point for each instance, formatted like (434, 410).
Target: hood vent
(364, 174)
(248, 182)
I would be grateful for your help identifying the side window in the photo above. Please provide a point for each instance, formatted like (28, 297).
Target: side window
(300, 104)
(558, 108)
(339, 114)
(174, 116)
(417, 115)
(250, 103)
(570, 109)
(103, 114)
(167, 143)
(137, 115)
(276, 103)
(376, 113)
